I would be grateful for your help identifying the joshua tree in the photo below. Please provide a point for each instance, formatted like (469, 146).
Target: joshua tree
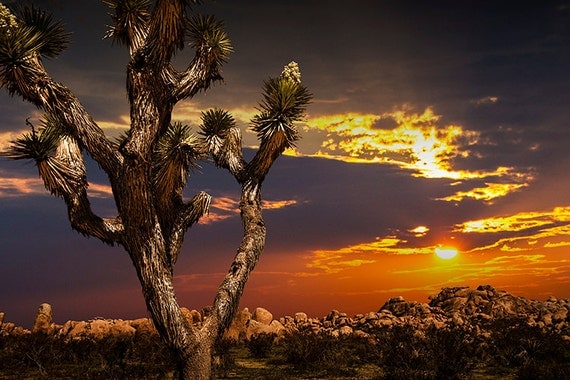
(149, 166)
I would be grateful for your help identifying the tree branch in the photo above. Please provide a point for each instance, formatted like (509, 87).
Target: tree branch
(56, 99)
(189, 214)
(213, 48)
(166, 30)
(252, 244)
(82, 218)
(61, 167)
(198, 76)
(130, 22)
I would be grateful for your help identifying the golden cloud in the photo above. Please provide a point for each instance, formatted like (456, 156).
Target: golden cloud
(97, 190)
(517, 222)
(420, 231)
(488, 193)
(525, 231)
(192, 113)
(415, 142)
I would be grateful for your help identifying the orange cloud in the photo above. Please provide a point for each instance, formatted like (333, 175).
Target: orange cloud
(223, 208)
(17, 187)
(336, 260)
(97, 190)
(412, 141)
(7, 137)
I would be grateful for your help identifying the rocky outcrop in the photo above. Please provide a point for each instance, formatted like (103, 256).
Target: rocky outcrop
(95, 329)
(475, 308)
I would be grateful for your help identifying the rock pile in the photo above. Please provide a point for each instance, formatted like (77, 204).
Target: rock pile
(454, 305)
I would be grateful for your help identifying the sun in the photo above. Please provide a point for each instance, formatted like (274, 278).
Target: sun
(446, 252)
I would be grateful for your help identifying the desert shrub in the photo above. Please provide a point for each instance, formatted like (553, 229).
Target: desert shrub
(223, 359)
(319, 353)
(403, 353)
(260, 345)
(453, 351)
(40, 355)
(532, 352)
(36, 353)
(437, 353)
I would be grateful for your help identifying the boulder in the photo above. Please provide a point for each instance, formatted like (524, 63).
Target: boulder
(505, 306)
(143, 327)
(262, 316)
(278, 328)
(238, 327)
(345, 330)
(300, 317)
(43, 322)
(559, 315)
(73, 330)
(187, 315)
(196, 316)
(396, 305)
(255, 328)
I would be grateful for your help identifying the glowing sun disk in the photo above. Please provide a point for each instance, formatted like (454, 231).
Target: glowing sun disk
(446, 253)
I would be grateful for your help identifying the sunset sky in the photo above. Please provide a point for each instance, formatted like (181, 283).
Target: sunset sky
(434, 124)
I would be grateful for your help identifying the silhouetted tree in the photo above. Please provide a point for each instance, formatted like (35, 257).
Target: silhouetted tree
(148, 168)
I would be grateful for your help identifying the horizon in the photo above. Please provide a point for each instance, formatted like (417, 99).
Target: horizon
(58, 322)
(433, 127)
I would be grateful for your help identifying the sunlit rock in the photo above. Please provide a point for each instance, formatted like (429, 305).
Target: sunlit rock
(43, 322)
(262, 315)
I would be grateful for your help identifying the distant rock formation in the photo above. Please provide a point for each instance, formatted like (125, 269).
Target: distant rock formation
(458, 306)
(44, 320)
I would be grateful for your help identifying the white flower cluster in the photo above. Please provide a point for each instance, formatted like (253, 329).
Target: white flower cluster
(7, 20)
(292, 72)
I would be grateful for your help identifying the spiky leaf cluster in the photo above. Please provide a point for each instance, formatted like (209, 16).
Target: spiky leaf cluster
(50, 34)
(176, 153)
(56, 155)
(33, 34)
(284, 102)
(222, 138)
(215, 126)
(208, 35)
(34, 145)
(128, 17)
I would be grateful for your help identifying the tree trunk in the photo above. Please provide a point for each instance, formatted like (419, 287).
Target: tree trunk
(192, 348)
(147, 248)
(197, 362)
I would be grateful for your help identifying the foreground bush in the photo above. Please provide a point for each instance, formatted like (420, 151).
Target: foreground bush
(446, 353)
(38, 355)
(507, 348)
(323, 354)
